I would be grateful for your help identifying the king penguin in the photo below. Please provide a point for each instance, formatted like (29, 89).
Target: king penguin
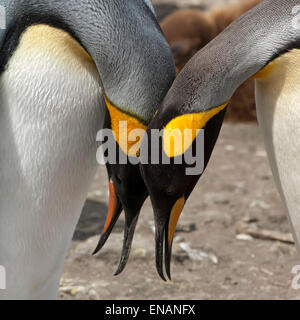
(67, 70)
(263, 44)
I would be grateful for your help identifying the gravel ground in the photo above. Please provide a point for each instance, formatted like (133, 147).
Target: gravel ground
(237, 184)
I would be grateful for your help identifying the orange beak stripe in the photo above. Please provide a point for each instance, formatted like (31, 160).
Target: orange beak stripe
(174, 217)
(122, 132)
(112, 205)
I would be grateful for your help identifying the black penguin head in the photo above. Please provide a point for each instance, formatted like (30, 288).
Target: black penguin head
(171, 181)
(127, 192)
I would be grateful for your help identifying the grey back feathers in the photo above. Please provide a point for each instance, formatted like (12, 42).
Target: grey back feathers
(122, 36)
(240, 51)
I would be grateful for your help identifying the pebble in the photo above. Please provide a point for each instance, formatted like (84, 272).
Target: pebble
(93, 295)
(261, 154)
(141, 252)
(244, 237)
(73, 291)
(197, 254)
(230, 148)
(259, 203)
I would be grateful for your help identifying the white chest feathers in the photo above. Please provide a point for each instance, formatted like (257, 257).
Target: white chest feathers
(51, 107)
(278, 106)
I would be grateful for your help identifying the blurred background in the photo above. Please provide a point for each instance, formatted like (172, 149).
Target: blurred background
(233, 240)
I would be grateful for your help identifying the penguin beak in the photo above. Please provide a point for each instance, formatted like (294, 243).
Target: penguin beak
(126, 187)
(114, 210)
(169, 185)
(130, 224)
(132, 212)
(166, 221)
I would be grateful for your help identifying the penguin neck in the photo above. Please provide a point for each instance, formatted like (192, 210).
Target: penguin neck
(111, 34)
(239, 52)
(282, 73)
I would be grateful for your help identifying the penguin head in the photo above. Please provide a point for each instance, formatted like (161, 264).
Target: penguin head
(183, 156)
(127, 192)
(133, 91)
(187, 31)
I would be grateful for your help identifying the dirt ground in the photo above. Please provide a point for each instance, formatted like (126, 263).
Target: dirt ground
(237, 185)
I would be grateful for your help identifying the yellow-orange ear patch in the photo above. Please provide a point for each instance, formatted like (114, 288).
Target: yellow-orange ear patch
(177, 139)
(286, 63)
(122, 126)
(265, 72)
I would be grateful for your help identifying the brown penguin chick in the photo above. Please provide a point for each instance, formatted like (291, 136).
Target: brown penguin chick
(189, 30)
(223, 16)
